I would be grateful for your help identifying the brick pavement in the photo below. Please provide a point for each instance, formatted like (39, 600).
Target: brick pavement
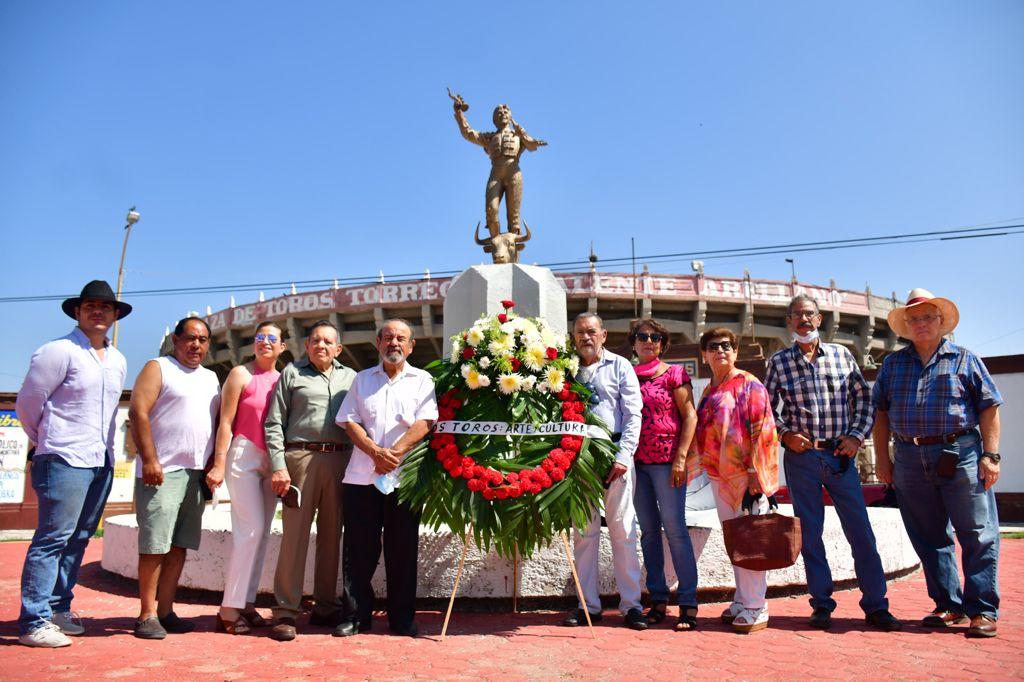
(500, 645)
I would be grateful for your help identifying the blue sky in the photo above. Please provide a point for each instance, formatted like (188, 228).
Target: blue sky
(272, 141)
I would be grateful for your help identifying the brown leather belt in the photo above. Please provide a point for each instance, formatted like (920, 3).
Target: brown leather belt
(933, 440)
(319, 447)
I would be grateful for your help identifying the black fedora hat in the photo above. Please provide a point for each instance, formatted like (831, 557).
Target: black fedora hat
(96, 290)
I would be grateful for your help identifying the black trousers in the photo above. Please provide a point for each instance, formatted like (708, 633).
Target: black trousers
(369, 514)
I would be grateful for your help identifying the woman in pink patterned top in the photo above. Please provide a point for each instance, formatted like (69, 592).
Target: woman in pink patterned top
(738, 448)
(660, 496)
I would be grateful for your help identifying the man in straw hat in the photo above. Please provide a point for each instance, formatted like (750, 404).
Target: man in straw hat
(931, 398)
(67, 406)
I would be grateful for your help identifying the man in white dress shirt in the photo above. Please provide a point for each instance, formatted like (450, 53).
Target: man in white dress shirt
(388, 410)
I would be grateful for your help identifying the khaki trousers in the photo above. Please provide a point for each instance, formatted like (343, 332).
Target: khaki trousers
(318, 476)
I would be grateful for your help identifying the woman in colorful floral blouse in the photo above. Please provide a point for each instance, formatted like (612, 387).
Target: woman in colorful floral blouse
(738, 448)
(660, 496)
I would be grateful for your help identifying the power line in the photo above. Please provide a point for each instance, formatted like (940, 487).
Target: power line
(563, 266)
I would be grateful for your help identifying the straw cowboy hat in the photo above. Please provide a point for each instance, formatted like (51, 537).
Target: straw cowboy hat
(96, 290)
(917, 297)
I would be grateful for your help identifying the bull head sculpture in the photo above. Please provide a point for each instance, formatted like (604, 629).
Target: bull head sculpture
(504, 247)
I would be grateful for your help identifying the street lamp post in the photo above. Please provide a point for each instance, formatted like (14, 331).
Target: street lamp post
(792, 275)
(131, 219)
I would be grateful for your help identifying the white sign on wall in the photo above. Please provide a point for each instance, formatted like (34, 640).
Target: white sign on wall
(13, 457)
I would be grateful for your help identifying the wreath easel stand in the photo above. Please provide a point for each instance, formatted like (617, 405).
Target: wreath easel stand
(515, 572)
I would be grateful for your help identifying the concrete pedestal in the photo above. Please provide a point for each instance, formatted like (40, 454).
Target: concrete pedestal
(546, 574)
(481, 288)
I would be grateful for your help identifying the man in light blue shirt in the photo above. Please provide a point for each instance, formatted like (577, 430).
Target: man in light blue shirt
(612, 379)
(67, 406)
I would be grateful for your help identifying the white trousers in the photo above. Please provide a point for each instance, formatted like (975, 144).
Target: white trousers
(622, 531)
(253, 504)
(750, 585)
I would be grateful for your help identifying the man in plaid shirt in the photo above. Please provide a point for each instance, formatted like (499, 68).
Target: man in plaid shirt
(823, 412)
(932, 397)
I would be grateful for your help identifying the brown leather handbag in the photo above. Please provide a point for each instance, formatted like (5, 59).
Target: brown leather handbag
(761, 542)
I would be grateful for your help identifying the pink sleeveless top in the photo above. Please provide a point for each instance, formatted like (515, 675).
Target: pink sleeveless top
(252, 408)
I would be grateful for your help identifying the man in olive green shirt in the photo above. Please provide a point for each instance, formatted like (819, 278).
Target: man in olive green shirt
(309, 451)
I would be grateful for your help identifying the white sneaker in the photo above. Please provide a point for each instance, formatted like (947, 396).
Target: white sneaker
(47, 635)
(69, 622)
(751, 620)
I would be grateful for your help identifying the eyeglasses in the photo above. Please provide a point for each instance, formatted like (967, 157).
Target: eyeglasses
(653, 337)
(719, 345)
(269, 338)
(923, 319)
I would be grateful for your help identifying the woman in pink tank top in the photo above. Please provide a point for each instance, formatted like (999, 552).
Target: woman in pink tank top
(240, 460)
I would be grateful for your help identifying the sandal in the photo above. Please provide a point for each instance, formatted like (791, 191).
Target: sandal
(254, 618)
(236, 627)
(687, 619)
(656, 613)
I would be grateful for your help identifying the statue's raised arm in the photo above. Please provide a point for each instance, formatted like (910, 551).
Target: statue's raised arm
(461, 108)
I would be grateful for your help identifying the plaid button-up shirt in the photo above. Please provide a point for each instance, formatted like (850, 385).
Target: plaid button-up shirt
(824, 399)
(944, 396)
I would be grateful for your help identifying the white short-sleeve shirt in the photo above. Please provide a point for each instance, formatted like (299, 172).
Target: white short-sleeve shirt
(385, 407)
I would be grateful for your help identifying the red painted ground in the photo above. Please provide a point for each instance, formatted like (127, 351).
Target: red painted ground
(491, 646)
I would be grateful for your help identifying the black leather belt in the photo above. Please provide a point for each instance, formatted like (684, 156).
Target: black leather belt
(318, 447)
(932, 440)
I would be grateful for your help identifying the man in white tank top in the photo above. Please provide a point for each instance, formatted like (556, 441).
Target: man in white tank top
(173, 410)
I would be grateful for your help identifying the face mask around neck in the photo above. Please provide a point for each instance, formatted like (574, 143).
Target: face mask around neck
(809, 337)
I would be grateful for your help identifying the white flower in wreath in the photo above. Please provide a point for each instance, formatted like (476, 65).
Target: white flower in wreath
(474, 336)
(475, 379)
(574, 365)
(502, 345)
(510, 383)
(466, 369)
(529, 382)
(484, 362)
(542, 387)
(550, 339)
(456, 351)
(535, 357)
(555, 379)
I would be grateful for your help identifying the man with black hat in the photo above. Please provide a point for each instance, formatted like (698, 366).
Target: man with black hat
(67, 406)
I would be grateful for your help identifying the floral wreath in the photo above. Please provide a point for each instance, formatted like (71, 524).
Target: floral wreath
(490, 466)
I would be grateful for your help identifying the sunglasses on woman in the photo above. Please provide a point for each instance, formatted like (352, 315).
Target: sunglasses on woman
(653, 338)
(720, 345)
(270, 338)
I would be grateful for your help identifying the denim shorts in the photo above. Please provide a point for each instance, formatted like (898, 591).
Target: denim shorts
(170, 514)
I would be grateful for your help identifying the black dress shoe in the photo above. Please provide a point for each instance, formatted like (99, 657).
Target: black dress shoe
(577, 618)
(408, 631)
(175, 625)
(821, 618)
(330, 621)
(345, 629)
(883, 620)
(635, 619)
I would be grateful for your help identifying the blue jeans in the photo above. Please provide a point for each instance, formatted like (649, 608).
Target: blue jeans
(71, 502)
(806, 475)
(930, 504)
(659, 505)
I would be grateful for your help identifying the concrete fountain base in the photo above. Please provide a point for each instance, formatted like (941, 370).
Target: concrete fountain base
(545, 575)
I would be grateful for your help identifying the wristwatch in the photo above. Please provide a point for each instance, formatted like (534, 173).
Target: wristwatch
(994, 456)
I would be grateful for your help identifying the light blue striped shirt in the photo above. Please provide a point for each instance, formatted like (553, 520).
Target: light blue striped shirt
(619, 404)
(68, 401)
